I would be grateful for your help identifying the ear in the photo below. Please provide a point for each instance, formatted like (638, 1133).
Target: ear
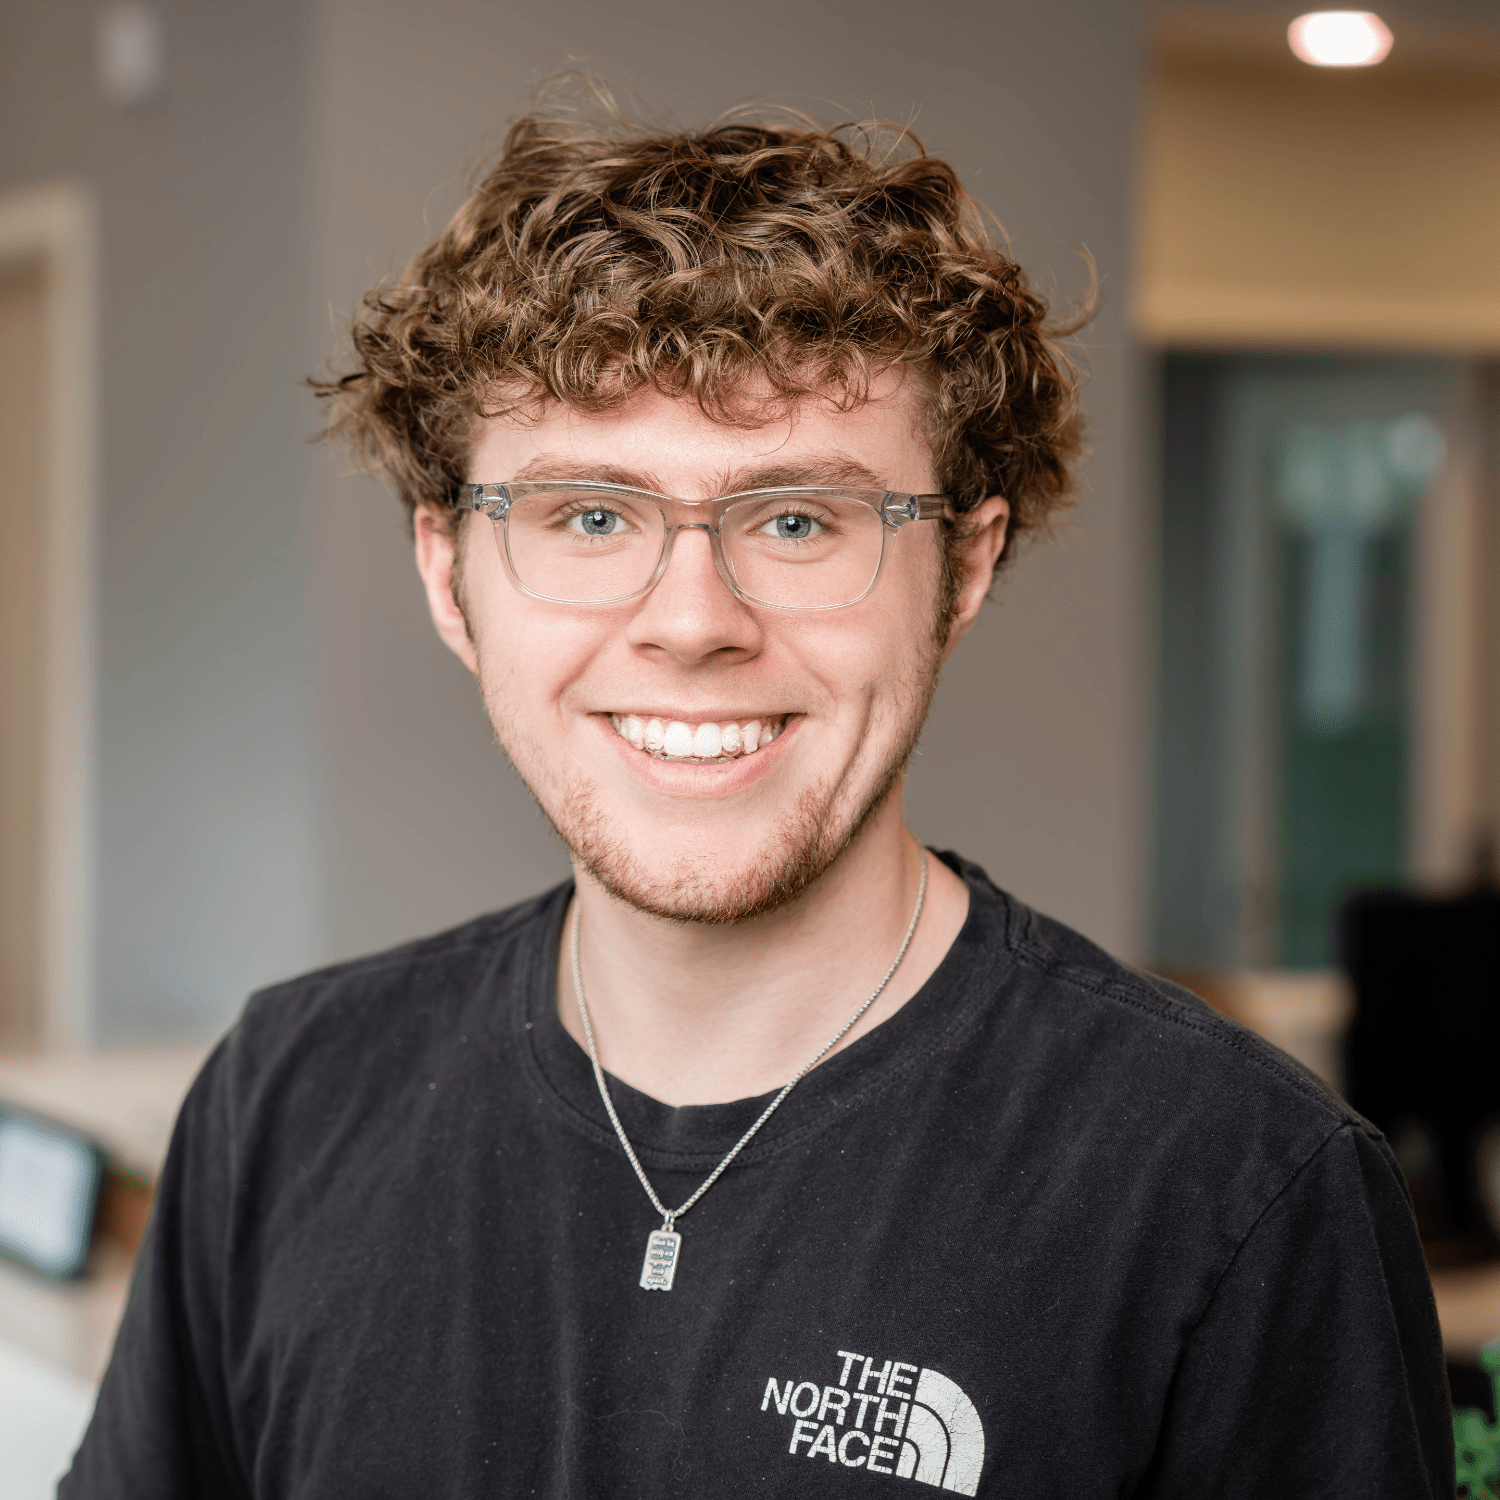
(437, 562)
(987, 525)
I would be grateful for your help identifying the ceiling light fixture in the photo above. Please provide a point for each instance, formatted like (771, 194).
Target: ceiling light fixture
(1340, 38)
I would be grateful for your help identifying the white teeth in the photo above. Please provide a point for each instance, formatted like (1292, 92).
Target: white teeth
(705, 742)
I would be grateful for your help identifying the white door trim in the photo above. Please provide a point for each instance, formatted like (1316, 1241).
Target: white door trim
(53, 224)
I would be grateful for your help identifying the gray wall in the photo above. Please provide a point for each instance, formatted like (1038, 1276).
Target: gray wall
(1033, 761)
(209, 864)
(291, 769)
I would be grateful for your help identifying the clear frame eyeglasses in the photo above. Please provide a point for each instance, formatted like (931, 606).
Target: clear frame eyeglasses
(588, 543)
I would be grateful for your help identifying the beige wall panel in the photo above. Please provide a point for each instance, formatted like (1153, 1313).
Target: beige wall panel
(22, 351)
(1289, 207)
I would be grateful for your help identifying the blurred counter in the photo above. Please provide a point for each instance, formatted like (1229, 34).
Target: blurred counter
(126, 1099)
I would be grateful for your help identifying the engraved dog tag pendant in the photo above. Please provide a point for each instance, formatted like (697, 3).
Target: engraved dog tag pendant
(660, 1264)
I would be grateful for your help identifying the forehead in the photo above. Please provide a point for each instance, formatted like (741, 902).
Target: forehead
(670, 445)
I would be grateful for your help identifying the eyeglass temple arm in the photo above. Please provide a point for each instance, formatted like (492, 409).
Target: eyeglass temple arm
(899, 510)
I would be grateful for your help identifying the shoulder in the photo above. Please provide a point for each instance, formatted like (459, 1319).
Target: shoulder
(1160, 1018)
(364, 1016)
(1138, 1067)
(436, 966)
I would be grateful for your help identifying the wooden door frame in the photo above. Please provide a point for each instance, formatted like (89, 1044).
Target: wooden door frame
(53, 225)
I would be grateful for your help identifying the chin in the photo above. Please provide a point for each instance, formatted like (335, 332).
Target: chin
(703, 886)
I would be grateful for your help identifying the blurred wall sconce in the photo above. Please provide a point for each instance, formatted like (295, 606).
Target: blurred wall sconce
(131, 41)
(1340, 38)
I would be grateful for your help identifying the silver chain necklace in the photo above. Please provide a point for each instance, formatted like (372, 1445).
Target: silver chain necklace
(662, 1245)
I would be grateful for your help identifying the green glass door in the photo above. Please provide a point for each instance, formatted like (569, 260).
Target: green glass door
(1292, 490)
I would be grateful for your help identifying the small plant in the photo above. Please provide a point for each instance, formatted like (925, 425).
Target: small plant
(1476, 1442)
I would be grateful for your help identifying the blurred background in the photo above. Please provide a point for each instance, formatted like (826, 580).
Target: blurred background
(1238, 722)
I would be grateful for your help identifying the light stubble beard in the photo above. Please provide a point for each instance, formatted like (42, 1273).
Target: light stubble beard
(806, 843)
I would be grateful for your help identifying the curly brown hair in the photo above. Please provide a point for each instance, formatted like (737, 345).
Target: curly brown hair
(600, 257)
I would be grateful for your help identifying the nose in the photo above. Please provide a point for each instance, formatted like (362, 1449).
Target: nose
(690, 615)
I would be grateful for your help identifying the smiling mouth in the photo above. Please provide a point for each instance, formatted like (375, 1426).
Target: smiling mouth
(704, 744)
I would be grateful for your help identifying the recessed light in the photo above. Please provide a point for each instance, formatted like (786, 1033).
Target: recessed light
(1340, 38)
(132, 53)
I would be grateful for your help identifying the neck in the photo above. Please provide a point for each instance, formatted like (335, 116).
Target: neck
(695, 1014)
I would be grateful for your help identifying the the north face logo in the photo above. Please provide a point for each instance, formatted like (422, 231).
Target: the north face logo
(894, 1418)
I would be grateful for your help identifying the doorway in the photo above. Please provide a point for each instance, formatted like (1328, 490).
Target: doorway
(1296, 491)
(48, 339)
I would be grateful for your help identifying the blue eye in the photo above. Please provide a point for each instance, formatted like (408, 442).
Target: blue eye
(792, 528)
(598, 522)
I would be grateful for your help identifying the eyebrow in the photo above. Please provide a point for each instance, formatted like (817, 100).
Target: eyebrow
(828, 472)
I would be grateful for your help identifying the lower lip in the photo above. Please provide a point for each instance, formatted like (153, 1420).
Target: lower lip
(709, 778)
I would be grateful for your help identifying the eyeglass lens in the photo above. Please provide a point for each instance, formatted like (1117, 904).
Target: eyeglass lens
(792, 548)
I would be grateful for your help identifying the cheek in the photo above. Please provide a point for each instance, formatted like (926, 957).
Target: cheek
(910, 655)
(525, 666)
(894, 634)
(518, 657)
(875, 665)
(922, 567)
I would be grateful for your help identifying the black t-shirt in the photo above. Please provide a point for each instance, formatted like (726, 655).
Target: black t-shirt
(1054, 1229)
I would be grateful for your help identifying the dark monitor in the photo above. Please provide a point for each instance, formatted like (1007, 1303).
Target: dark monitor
(1422, 1054)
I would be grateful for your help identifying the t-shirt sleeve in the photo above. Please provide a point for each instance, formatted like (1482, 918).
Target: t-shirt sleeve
(1317, 1368)
(161, 1426)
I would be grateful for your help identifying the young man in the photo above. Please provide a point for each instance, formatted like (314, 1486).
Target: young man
(776, 1155)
